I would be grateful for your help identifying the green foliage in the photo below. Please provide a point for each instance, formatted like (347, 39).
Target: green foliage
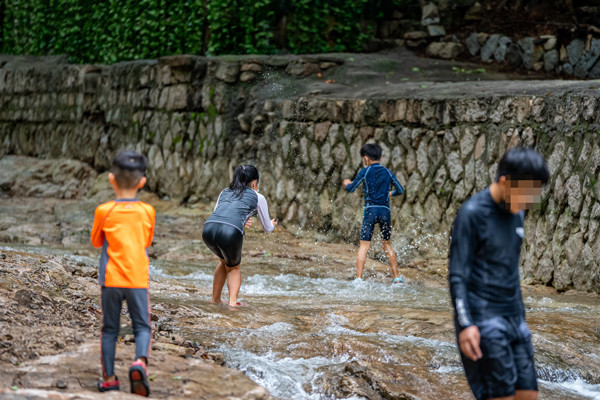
(116, 30)
(240, 26)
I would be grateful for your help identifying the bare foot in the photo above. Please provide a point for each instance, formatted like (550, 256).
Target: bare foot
(216, 302)
(236, 304)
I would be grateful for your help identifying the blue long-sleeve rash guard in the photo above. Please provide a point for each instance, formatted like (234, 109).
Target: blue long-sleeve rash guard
(484, 261)
(378, 181)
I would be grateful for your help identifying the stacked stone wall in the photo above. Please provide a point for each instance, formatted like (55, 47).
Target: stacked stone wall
(197, 118)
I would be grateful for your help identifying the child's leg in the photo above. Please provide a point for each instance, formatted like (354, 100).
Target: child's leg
(138, 302)
(112, 300)
(391, 256)
(362, 257)
(219, 281)
(234, 282)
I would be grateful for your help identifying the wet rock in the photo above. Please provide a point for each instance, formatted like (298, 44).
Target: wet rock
(444, 50)
(472, 44)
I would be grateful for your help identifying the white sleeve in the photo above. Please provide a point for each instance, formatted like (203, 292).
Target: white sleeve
(263, 214)
(219, 198)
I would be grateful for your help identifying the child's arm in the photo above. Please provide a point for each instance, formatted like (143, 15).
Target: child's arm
(97, 236)
(152, 216)
(398, 187)
(268, 225)
(351, 186)
(463, 239)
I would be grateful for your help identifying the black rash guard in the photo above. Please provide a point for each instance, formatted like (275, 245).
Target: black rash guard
(484, 261)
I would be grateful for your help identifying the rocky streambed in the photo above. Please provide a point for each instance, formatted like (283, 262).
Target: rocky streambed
(307, 331)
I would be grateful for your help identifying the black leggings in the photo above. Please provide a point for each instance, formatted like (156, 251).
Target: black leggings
(225, 241)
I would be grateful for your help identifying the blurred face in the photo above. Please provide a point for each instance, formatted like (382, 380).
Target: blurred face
(522, 194)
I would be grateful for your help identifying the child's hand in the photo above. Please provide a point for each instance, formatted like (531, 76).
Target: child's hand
(346, 182)
(248, 223)
(274, 221)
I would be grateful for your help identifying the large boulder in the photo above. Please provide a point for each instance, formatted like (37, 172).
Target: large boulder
(32, 177)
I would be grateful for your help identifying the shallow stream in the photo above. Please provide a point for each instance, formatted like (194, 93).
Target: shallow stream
(326, 338)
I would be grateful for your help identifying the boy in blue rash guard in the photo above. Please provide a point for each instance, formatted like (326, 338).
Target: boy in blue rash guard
(486, 237)
(377, 181)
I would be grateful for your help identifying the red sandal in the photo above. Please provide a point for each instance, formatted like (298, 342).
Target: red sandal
(108, 385)
(139, 379)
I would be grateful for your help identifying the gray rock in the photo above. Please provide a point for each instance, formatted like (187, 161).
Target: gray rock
(472, 44)
(247, 76)
(475, 13)
(444, 50)
(513, 55)
(550, 42)
(567, 69)
(587, 60)
(227, 71)
(415, 35)
(575, 50)
(436, 30)
(487, 51)
(527, 52)
(500, 52)
(595, 72)
(550, 60)
(430, 14)
(564, 57)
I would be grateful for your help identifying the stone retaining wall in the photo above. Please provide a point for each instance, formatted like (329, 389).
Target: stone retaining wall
(197, 118)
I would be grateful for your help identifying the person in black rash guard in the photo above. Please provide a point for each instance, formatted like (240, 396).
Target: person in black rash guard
(223, 232)
(486, 237)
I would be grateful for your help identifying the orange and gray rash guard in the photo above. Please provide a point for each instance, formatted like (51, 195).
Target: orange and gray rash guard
(484, 261)
(124, 229)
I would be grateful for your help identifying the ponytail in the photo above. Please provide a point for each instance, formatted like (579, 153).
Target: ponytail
(242, 176)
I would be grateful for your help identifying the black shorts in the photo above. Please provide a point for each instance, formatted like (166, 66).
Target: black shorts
(373, 216)
(225, 241)
(507, 359)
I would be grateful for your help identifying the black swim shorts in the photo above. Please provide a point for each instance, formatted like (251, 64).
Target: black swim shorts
(373, 216)
(507, 363)
(225, 241)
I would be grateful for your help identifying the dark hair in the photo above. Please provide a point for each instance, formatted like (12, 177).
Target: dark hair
(521, 163)
(371, 150)
(128, 168)
(242, 176)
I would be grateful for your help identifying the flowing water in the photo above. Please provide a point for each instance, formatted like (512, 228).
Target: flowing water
(311, 338)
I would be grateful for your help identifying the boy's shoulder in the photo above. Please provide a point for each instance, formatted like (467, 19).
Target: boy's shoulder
(475, 206)
(105, 207)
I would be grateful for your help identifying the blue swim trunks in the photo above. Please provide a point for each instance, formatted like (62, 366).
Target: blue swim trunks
(376, 215)
(507, 363)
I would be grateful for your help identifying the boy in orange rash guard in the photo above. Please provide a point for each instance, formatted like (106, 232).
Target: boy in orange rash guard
(124, 229)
